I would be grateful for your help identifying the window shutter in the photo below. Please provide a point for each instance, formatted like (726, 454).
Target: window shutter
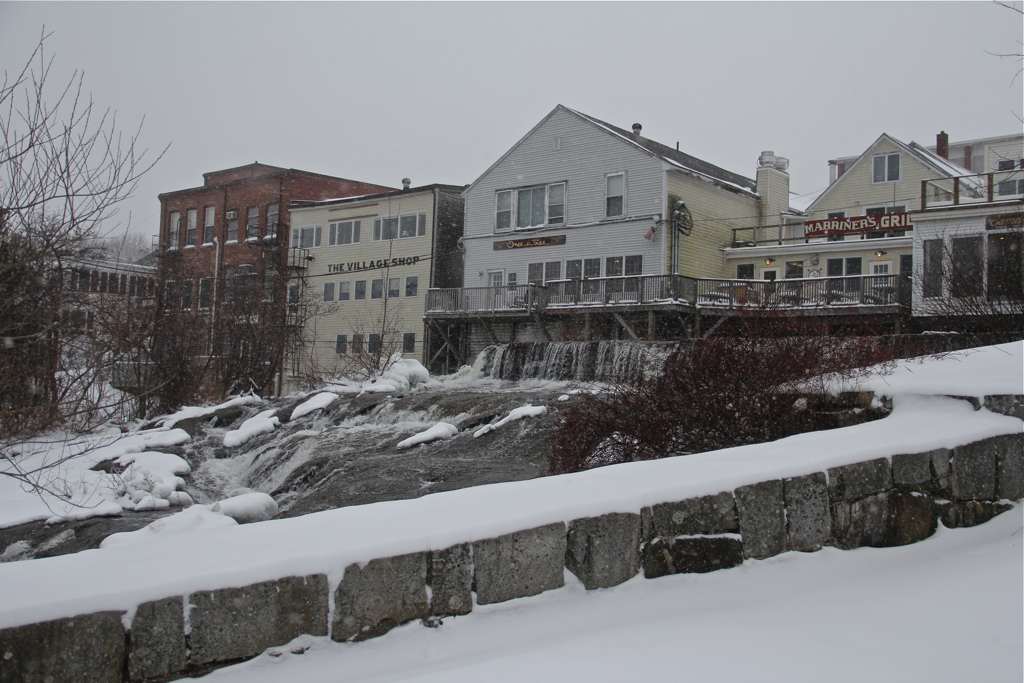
(316, 235)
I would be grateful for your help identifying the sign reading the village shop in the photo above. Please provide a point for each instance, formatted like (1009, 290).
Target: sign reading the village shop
(1007, 220)
(849, 226)
(356, 266)
(529, 242)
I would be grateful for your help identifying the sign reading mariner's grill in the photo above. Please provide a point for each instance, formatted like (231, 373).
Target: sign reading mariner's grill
(529, 242)
(848, 226)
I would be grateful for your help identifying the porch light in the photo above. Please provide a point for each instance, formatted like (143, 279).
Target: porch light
(880, 253)
(768, 261)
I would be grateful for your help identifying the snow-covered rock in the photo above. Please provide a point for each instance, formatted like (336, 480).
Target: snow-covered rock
(442, 430)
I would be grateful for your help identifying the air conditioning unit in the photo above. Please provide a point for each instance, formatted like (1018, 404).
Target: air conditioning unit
(232, 215)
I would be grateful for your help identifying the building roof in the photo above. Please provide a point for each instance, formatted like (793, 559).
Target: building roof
(674, 156)
(264, 171)
(309, 203)
(651, 147)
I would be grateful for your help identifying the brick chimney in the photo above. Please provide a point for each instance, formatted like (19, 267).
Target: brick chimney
(942, 145)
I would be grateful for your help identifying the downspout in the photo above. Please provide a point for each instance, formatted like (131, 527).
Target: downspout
(282, 265)
(213, 305)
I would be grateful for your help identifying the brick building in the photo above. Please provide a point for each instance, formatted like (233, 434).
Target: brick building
(228, 237)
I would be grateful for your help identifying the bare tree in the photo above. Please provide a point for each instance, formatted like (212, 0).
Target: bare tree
(65, 166)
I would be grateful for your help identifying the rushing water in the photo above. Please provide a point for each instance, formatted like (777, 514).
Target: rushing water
(574, 361)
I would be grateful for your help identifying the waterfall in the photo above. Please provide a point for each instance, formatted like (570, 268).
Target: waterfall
(576, 361)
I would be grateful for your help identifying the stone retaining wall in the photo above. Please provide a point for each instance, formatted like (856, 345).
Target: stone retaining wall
(878, 503)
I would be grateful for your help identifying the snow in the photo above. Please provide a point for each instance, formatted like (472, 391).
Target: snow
(263, 423)
(195, 518)
(517, 414)
(947, 609)
(194, 411)
(317, 402)
(876, 615)
(442, 430)
(247, 507)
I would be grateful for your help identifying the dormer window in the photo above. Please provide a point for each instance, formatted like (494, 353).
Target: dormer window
(885, 168)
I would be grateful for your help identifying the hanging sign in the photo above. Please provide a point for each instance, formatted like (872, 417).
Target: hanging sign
(529, 242)
(849, 226)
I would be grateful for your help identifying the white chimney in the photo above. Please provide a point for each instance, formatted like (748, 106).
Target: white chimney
(406, 183)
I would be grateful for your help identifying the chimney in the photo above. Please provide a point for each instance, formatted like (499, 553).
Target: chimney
(636, 129)
(967, 157)
(942, 145)
(773, 187)
(406, 183)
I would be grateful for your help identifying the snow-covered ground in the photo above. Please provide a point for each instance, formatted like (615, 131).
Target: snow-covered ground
(947, 609)
(835, 615)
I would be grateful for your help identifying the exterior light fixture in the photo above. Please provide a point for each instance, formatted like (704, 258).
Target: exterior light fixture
(880, 253)
(768, 261)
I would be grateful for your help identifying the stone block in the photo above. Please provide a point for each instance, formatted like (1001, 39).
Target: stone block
(519, 564)
(912, 517)
(940, 468)
(450, 577)
(232, 623)
(1010, 466)
(972, 471)
(912, 470)
(705, 515)
(808, 520)
(858, 480)
(372, 600)
(957, 514)
(762, 518)
(89, 648)
(604, 551)
(157, 643)
(860, 522)
(1007, 404)
(690, 554)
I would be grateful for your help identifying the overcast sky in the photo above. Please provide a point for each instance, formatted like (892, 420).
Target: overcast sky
(437, 92)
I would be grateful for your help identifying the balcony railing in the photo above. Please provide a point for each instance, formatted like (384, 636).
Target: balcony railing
(819, 292)
(973, 189)
(859, 290)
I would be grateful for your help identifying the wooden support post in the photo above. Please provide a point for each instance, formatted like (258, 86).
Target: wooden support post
(652, 326)
(626, 326)
(540, 323)
(587, 331)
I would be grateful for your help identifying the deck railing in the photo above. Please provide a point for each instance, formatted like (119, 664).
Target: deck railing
(857, 290)
(973, 189)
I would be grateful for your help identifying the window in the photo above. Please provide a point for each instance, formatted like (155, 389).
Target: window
(205, 292)
(186, 295)
(745, 271)
(613, 266)
(794, 270)
(328, 291)
(399, 227)
(512, 279)
(931, 282)
(907, 264)
(634, 265)
(233, 226)
(209, 214)
(552, 271)
(374, 345)
(346, 232)
(252, 223)
(409, 342)
(535, 273)
(174, 233)
(967, 267)
(880, 267)
(1007, 184)
(192, 216)
(592, 267)
(293, 298)
(394, 287)
(103, 283)
(531, 206)
(343, 291)
(885, 168)
(307, 238)
(360, 289)
(357, 343)
(615, 193)
(377, 288)
(269, 278)
(412, 285)
(836, 215)
(881, 211)
(1006, 266)
(341, 344)
(273, 214)
(574, 269)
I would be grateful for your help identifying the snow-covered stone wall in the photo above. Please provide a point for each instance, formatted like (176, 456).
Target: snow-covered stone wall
(879, 502)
